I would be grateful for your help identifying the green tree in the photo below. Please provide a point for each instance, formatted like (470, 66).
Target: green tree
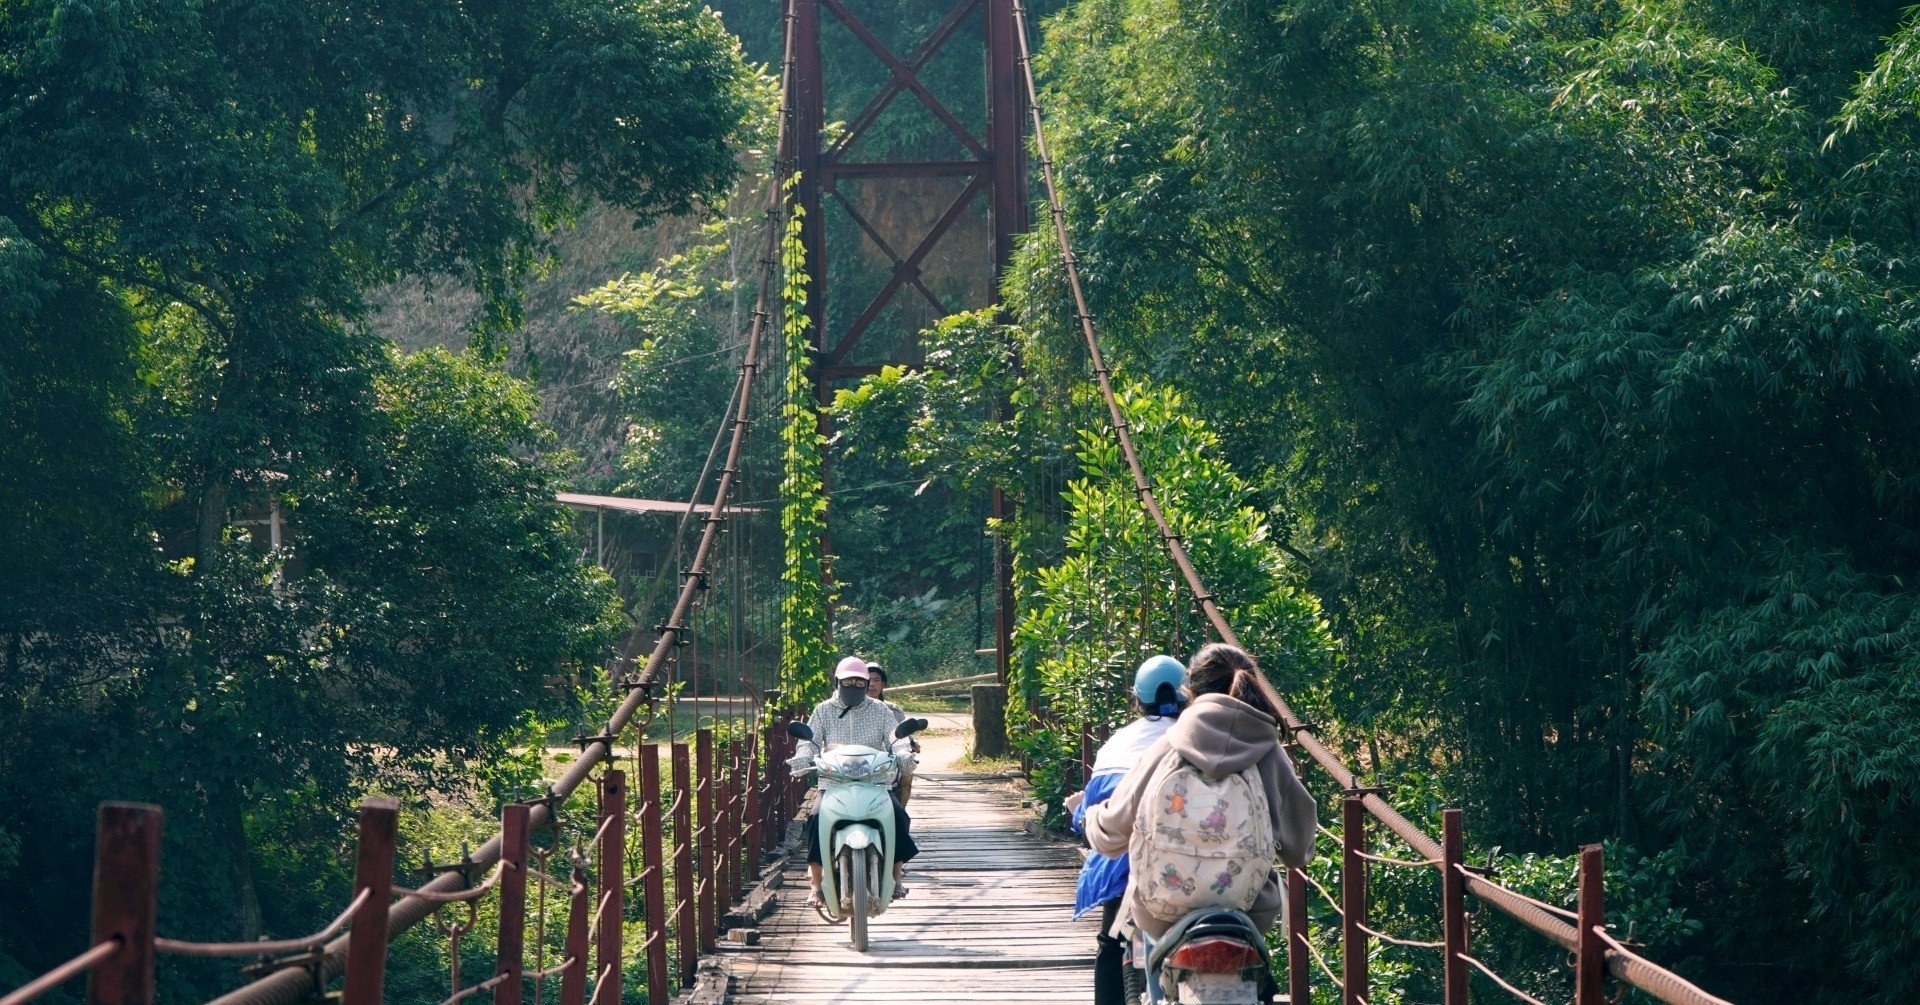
(194, 201)
(1573, 347)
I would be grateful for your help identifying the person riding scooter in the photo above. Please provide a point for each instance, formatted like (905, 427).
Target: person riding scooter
(850, 717)
(1214, 777)
(1159, 693)
(877, 690)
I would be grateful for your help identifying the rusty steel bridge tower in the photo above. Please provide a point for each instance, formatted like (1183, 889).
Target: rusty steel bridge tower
(916, 219)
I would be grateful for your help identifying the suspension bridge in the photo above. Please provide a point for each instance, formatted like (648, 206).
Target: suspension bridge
(659, 863)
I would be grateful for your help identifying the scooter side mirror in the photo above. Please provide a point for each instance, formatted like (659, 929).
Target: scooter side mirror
(799, 730)
(908, 728)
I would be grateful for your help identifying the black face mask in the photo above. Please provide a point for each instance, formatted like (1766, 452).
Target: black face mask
(851, 696)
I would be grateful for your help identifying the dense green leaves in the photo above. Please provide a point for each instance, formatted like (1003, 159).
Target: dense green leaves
(680, 366)
(1574, 347)
(1115, 597)
(255, 562)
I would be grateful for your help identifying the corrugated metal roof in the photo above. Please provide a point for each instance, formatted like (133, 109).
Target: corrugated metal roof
(624, 504)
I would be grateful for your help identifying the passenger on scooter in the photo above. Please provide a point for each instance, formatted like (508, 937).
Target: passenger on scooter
(850, 717)
(1227, 730)
(877, 690)
(1159, 695)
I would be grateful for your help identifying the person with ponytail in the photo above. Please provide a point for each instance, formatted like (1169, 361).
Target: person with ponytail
(1227, 730)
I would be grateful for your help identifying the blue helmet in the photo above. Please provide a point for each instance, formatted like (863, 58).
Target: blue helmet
(1157, 685)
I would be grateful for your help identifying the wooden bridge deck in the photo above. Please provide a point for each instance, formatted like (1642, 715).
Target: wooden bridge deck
(987, 919)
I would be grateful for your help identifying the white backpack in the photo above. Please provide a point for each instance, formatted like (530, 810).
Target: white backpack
(1209, 842)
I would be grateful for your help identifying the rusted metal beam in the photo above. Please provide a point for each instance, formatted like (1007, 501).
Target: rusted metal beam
(857, 126)
(573, 980)
(1453, 908)
(905, 75)
(704, 849)
(1353, 901)
(510, 948)
(373, 872)
(1006, 142)
(880, 242)
(126, 880)
(904, 169)
(807, 103)
(1298, 962)
(653, 888)
(900, 272)
(1590, 952)
(685, 879)
(611, 908)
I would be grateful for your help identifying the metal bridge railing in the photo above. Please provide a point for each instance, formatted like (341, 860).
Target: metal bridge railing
(727, 807)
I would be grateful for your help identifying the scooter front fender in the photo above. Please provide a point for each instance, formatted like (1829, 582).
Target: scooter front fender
(845, 809)
(856, 836)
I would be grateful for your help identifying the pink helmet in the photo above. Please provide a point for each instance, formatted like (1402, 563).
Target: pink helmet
(851, 668)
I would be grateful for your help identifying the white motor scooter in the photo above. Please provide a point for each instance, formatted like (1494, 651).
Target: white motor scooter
(1212, 956)
(856, 827)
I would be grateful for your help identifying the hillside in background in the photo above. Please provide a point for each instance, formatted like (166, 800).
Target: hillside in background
(571, 356)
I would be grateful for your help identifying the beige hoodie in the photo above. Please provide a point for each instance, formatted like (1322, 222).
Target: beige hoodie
(1218, 735)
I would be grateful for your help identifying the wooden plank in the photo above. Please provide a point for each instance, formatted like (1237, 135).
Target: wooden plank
(989, 919)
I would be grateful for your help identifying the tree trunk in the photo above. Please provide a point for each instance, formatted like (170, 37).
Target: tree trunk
(210, 523)
(246, 896)
(989, 720)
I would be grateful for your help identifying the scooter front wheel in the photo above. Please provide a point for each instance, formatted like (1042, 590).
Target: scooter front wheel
(857, 885)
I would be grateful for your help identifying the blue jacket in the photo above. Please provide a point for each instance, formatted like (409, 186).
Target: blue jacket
(1104, 877)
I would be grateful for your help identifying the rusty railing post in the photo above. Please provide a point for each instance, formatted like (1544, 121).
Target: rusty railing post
(510, 953)
(611, 907)
(1590, 959)
(770, 735)
(737, 817)
(773, 754)
(791, 793)
(754, 837)
(1353, 900)
(1297, 960)
(704, 848)
(684, 877)
(789, 748)
(654, 888)
(722, 863)
(367, 940)
(1453, 908)
(126, 876)
(573, 980)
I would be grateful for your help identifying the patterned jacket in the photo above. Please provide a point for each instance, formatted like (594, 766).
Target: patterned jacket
(869, 724)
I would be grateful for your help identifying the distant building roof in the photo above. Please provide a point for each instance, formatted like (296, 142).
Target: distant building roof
(623, 504)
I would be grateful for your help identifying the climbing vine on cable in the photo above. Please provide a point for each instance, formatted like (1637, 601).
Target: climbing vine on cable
(807, 602)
